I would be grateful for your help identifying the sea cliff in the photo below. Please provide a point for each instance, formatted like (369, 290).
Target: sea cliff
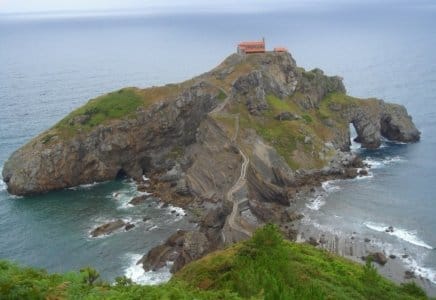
(236, 146)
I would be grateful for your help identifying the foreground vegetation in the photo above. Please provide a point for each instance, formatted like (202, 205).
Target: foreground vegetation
(264, 267)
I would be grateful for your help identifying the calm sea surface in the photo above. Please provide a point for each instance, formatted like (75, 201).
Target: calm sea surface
(50, 66)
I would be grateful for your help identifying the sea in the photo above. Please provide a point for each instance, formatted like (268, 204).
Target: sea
(51, 64)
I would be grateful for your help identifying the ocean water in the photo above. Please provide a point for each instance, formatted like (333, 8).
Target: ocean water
(49, 66)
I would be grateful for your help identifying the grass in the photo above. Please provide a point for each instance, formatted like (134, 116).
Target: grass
(335, 99)
(287, 137)
(264, 267)
(222, 95)
(267, 267)
(228, 123)
(97, 111)
(102, 110)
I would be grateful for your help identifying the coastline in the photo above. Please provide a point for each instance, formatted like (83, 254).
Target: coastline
(357, 245)
(354, 247)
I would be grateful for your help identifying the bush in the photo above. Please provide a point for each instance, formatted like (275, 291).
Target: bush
(413, 289)
(307, 118)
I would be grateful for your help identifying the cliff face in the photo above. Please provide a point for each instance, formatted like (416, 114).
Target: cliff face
(280, 116)
(126, 146)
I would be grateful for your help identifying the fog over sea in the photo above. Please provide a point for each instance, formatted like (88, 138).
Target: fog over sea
(50, 65)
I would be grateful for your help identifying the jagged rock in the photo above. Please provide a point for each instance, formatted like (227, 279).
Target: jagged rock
(315, 86)
(175, 135)
(182, 187)
(392, 256)
(363, 172)
(322, 240)
(397, 125)
(379, 258)
(172, 175)
(267, 191)
(139, 199)
(124, 146)
(107, 228)
(287, 116)
(390, 229)
(143, 186)
(264, 212)
(129, 226)
(409, 274)
(291, 234)
(380, 119)
(180, 248)
(291, 216)
(312, 241)
(215, 218)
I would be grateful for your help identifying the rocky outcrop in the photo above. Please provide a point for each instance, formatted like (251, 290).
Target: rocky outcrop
(374, 119)
(108, 228)
(179, 249)
(235, 146)
(314, 85)
(378, 257)
(196, 152)
(128, 146)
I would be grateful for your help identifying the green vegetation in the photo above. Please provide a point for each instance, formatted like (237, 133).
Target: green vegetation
(99, 110)
(334, 100)
(228, 123)
(264, 267)
(47, 138)
(222, 95)
(307, 118)
(282, 135)
(267, 267)
(287, 137)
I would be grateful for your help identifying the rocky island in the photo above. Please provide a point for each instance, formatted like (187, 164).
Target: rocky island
(235, 146)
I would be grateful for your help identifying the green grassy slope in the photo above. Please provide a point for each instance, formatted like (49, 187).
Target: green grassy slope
(264, 267)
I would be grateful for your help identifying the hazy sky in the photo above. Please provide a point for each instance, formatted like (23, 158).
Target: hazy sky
(70, 5)
(181, 5)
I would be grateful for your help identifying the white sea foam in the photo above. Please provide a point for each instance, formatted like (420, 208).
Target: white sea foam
(380, 163)
(3, 186)
(403, 234)
(139, 276)
(374, 164)
(330, 186)
(360, 177)
(316, 203)
(420, 271)
(154, 227)
(145, 178)
(354, 146)
(410, 262)
(85, 186)
(176, 210)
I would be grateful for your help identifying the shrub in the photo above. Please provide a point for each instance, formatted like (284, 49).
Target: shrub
(307, 118)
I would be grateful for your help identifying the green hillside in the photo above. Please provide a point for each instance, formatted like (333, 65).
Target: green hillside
(264, 267)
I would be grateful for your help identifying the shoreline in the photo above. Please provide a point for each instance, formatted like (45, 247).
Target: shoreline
(350, 244)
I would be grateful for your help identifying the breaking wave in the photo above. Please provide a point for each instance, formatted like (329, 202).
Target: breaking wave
(410, 262)
(403, 234)
(329, 186)
(375, 163)
(316, 203)
(140, 276)
(3, 186)
(85, 186)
